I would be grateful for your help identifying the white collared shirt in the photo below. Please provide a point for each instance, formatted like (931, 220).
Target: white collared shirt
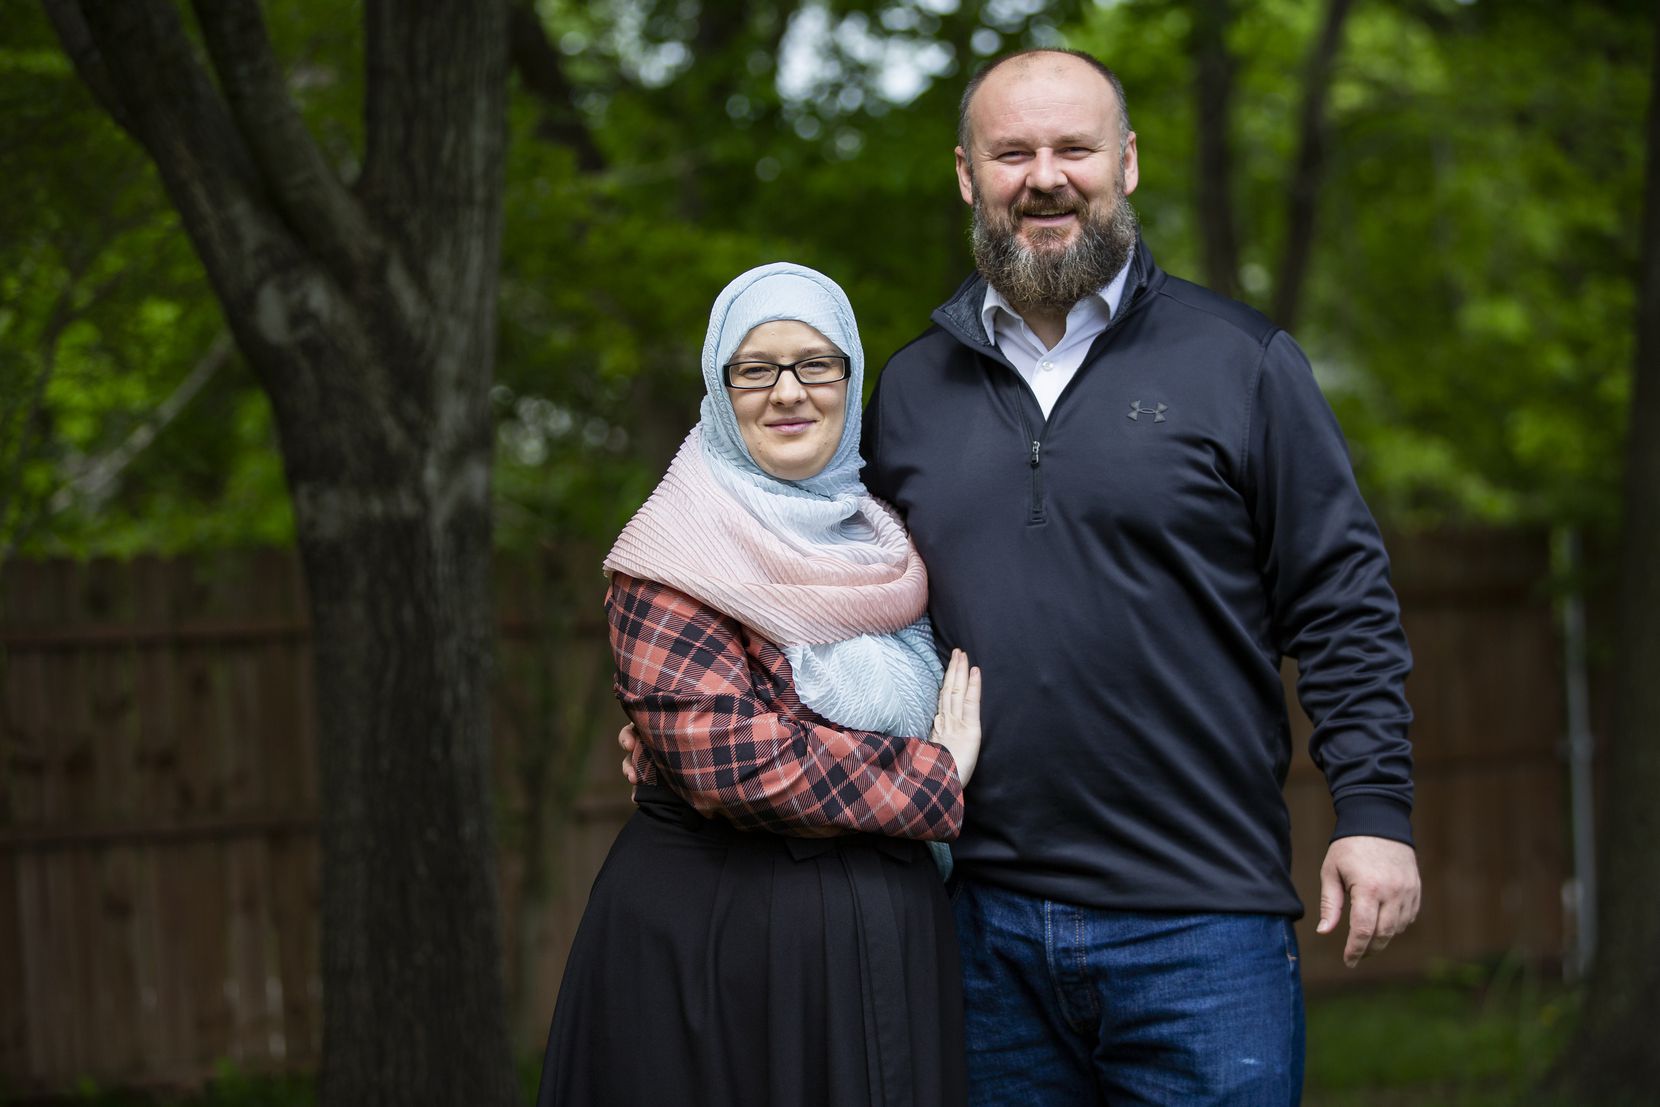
(1049, 370)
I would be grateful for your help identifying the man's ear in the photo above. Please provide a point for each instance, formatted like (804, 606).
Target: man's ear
(965, 177)
(1130, 166)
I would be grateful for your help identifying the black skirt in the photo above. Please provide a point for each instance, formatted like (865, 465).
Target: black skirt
(731, 969)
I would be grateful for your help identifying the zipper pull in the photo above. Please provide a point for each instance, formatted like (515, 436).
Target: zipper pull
(1036, 446)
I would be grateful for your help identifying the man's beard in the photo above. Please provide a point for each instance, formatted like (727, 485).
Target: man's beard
(1048, 278)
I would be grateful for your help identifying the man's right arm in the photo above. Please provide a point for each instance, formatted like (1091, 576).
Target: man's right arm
(1328, 581)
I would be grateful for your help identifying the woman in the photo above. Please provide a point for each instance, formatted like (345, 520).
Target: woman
(768, 929)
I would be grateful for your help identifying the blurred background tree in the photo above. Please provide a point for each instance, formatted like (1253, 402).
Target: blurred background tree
(1462, 179)
(1613, 1059)
(359, 281)
(1441, 196)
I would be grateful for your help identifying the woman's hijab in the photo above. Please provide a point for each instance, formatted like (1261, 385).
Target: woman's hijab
(768, 294)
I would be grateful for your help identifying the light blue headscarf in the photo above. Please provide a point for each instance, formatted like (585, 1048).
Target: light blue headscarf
(768, 294)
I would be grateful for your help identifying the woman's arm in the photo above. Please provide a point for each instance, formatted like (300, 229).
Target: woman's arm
(685, 678)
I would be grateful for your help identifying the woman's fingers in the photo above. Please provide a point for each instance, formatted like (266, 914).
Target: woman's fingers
(959, 702)
(945, 684)
(955, 684)
(960, 691)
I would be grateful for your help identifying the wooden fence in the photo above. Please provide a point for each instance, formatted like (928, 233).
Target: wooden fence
(1490, 818)
(158, 800)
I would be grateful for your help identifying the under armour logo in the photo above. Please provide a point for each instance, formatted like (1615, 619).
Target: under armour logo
(1136, 410)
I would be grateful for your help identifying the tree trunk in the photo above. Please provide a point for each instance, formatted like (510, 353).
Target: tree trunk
(414, 1008)
(369, 317)
(1213, 73)
(1614, 1059)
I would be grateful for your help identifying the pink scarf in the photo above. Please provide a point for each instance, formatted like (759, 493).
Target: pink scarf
(795, 580)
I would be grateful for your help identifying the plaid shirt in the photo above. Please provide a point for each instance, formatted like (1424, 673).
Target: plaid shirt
(721, 724)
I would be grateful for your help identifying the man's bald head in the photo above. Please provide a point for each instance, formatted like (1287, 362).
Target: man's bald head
(1035, 57)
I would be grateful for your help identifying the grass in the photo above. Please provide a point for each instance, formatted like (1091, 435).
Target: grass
(230, 1087)
(1468, 1036)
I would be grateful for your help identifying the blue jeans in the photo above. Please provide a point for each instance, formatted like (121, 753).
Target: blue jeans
(1070, 1006)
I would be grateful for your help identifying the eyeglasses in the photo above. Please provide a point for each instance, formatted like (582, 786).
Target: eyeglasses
(820, 369)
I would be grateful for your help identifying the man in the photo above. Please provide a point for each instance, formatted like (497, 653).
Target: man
(1132, 500)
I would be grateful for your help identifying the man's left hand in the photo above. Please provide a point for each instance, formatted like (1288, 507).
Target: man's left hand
(1379, 877)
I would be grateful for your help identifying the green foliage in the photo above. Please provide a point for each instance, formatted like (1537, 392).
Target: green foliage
(710, 169)
(103, 314)
(1470, 1035)
(1487, 229)
(230, 1087)
(1469, 306)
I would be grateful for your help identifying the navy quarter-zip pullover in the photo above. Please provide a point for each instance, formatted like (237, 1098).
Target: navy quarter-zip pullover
(1128, 574)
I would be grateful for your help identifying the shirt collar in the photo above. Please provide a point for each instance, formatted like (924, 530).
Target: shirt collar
(1109, 296)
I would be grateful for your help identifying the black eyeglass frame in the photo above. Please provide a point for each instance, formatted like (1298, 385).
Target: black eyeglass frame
(779, 369)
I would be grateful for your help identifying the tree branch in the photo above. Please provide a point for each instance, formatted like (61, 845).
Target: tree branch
(718, 26)
(70, 25)
(1213, 192)
(311, 197)
(542, 71)
(176, 114)
(67, 307)
(98, 474)
(1303, 194)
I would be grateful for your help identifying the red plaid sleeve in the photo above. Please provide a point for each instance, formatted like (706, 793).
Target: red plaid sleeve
(721, 723)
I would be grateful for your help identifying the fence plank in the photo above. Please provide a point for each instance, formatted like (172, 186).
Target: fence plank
(31, 959)
(294, 905)
(14, 989)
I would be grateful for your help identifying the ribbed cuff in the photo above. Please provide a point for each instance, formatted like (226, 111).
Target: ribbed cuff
(1373, 816)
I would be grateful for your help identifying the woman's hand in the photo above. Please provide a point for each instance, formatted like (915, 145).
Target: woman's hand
(957, 725)
(628, 739)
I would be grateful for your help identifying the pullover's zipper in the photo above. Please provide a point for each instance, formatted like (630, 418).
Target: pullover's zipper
(1035, 513)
